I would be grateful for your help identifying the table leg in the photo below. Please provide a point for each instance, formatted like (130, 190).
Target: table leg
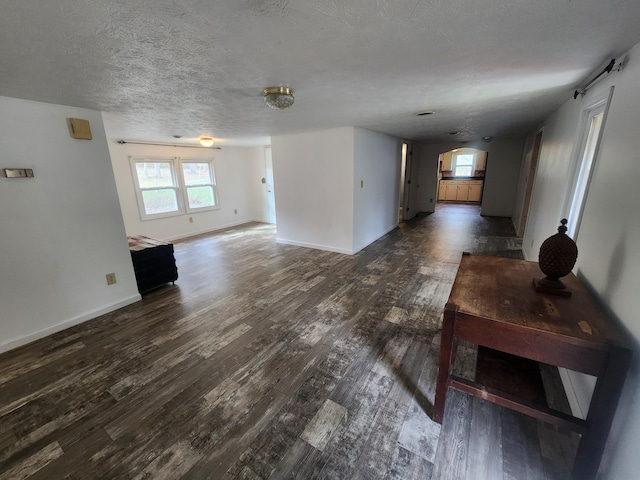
(601, 412)
(444, 365)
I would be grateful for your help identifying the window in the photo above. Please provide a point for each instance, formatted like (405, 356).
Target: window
(168, 187)
(199, 185)
(592, 126)
(463, 164)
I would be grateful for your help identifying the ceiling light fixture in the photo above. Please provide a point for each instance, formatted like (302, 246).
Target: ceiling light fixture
(278, 98)
(206, 141)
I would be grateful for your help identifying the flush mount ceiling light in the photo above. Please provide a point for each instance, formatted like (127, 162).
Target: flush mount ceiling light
(278, 98)
(206, 141)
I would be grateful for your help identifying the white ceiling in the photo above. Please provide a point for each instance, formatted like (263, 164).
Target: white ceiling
(158, 68)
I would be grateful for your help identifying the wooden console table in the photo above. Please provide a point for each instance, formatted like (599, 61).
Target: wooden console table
(493, 304)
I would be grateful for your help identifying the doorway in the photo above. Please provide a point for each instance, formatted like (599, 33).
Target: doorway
(535, 156)
(461, 176)
(405, 183)
(271, 199)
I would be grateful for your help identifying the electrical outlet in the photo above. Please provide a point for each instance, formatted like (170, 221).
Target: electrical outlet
(235, 211)
(111, 278)
(190, 219)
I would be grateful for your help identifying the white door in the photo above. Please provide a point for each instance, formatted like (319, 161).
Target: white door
(407, 214)
(271, 199)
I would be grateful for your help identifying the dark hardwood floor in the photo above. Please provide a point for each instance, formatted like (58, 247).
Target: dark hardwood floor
(275, 361)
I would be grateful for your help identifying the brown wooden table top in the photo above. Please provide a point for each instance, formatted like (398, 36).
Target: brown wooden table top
(501, 289)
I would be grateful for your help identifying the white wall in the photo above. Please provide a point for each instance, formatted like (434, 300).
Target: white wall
(314, 175)
(501, 176)
(238, 173)
(608, 257)
(62, 231)
(376, 186)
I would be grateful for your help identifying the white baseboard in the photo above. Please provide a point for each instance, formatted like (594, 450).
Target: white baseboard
(334, 249)
(31, 337)
(572, 396)
(206, 230)
(314, 245)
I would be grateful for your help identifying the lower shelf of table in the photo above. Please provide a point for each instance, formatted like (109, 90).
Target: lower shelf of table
(513, 382)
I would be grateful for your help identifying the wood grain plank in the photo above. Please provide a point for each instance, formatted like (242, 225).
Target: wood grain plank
(485, 451)
(453, 445)
(323, 425)
(406, 465)
(32, 464)
(420, 433)
(375, 460)
(520, 449)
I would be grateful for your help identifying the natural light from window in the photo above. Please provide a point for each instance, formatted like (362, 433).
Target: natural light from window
(168, 187)
(198, 179)
(158, 187)
(463, 164)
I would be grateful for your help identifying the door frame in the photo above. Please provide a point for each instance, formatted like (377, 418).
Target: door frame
(535, 157)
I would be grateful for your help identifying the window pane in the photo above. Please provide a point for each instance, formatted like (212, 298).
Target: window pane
(154, 174)
(159, 201)
(464, 159)
(463, 171)
(200, 197)
(196, 173)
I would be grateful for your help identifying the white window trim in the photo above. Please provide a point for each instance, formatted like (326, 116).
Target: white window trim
(599, 105)
(180, 188)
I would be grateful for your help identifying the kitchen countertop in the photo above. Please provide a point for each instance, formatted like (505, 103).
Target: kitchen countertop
(462, 178)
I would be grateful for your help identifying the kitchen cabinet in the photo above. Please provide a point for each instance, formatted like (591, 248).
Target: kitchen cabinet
(460, 190)
(446, 162)
(448, 190)
(451, 191)
(475, 191)
(481, 161)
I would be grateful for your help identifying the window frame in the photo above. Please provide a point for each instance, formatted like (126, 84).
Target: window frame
(180, 186)
(213, 185)
(454, 166)
(582, 167)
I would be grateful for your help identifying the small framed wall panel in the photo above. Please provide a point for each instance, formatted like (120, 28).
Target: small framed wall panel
(80, 129)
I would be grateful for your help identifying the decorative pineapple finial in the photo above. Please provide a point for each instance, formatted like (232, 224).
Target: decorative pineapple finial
(558, 255)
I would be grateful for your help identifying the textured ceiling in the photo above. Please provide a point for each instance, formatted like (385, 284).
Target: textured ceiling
(158, 68)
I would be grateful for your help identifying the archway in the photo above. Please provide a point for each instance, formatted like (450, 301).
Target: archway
(461, 176)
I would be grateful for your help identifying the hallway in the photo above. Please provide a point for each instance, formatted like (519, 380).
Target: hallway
(275, 361)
